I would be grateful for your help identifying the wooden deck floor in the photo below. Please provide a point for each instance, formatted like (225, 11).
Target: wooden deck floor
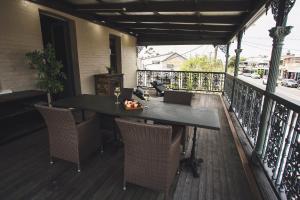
(25, 172)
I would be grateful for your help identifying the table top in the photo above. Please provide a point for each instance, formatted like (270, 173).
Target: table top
(157, 110)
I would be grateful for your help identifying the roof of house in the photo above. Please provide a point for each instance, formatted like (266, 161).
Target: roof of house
(163, 57)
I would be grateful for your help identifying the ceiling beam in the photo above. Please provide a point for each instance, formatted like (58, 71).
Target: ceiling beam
(175, 26)
(176, 18)
(69, 9)
(174, 6)
(145, 41)
(176, 32)
(181, 37)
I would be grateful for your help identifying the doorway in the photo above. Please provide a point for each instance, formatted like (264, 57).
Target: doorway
(115, 54)
(56, 31)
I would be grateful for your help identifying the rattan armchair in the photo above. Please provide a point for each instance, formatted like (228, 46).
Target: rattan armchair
(152, 154)
(183, 98)
(67, 140)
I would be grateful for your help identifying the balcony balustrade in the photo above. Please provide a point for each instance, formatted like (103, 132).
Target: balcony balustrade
(183, 80)
(281, 152)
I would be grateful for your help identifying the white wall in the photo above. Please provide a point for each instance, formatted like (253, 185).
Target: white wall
(20, 32)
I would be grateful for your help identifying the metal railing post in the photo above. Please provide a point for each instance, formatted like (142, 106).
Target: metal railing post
(280, 10)
(236, 66)
(226, 65)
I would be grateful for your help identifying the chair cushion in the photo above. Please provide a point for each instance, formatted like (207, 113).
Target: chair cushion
(161, 88)
(139, 92)
(157, 82)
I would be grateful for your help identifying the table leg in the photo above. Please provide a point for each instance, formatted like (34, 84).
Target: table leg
(191, 162)
(83, 115)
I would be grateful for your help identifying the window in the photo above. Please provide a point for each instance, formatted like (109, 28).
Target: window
(170, 65)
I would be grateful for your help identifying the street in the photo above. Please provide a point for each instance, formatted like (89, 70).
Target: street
(290, 94)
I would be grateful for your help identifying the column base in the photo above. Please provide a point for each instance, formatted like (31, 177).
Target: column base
(255, 158)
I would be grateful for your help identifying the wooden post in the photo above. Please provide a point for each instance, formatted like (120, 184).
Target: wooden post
(280, 10)
(236, 66)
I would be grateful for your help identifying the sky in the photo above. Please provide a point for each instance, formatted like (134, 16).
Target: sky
(256, 40)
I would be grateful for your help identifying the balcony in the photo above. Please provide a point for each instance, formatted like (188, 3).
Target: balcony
(98, 34)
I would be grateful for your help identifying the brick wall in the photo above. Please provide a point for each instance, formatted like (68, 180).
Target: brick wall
(20, 32)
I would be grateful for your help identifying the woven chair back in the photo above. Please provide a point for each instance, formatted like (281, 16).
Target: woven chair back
(178, 97)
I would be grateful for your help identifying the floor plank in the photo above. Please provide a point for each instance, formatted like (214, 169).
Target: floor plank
(25, 172)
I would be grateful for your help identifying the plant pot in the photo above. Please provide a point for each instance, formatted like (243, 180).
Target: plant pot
(49, 99)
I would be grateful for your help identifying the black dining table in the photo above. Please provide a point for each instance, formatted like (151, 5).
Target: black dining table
(167, 113)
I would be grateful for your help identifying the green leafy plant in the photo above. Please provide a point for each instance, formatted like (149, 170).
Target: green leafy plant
(50, 77)
(202, 63)
(189, 86)
(231, 64)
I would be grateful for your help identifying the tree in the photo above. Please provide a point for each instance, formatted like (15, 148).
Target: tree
(202, 63)
(231, 63)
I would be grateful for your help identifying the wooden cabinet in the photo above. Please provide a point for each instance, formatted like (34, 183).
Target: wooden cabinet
(18, 116)
(106, 83)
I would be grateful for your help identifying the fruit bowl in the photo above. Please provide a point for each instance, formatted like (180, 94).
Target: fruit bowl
(132, 105)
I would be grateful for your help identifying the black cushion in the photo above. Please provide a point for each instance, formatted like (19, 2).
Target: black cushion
(160, 88)
(139, 92)
(157, 82)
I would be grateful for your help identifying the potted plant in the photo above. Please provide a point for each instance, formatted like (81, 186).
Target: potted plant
(49, 75)
(109, 70)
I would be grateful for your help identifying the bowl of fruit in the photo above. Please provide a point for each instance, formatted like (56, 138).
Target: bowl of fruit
(132, 105)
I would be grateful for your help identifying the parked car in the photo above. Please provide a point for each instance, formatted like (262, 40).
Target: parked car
(265, 80)
(289, 83)
(255, 76)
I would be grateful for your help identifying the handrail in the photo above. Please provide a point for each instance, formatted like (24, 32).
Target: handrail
(290, 103)
(183, 80)
(145, 70)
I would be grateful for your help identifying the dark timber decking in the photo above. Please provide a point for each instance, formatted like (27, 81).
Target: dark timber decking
(25, 172)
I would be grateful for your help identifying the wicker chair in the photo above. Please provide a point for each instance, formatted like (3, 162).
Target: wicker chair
(152, 154)
(126, 93)
(68, 141)
(183, 98)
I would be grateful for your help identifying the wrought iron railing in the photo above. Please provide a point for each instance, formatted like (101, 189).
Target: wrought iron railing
(281, 152)
(228, 82)
(183, 80)
(247, 106)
